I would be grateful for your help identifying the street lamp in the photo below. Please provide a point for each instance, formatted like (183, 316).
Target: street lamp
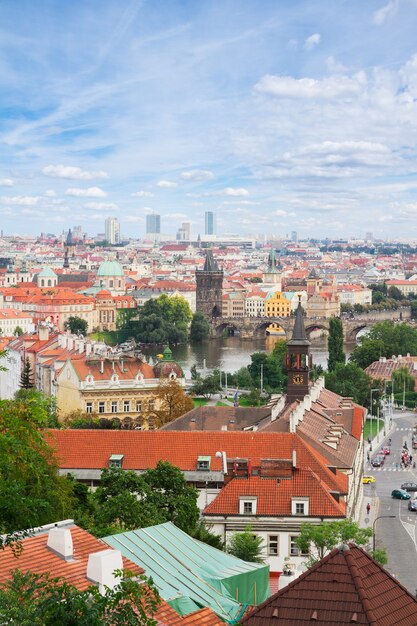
(372, 391)
(373, 528)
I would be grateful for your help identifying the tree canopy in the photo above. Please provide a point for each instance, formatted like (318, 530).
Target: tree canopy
(349, 381)
(385, 339)
(76, 325)
(246, 546)
(161, 320)
(200, 328)
(335, 343)
(31, 599)
(173, 401)
(26, 377)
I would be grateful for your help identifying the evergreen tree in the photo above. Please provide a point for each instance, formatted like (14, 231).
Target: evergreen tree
(26, 377)
(335, 344)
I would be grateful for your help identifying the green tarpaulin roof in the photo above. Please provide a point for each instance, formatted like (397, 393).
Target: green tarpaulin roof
(190, 574)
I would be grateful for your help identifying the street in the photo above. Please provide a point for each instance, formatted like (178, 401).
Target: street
(398, 536)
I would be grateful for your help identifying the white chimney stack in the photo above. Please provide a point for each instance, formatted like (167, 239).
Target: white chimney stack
(60, 542)
(101, 566)
(294, 458)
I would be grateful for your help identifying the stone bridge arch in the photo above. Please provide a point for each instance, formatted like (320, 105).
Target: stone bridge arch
(310, 327)
(227, 325)
(262, 328)
(352, 329)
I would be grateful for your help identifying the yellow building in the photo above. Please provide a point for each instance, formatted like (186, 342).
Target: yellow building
(118, 387)
(277, 305)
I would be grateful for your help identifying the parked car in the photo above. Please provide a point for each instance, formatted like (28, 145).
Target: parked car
(412, 505)
(368, 479)
(409, 486)
(399, 494)
(378, 461)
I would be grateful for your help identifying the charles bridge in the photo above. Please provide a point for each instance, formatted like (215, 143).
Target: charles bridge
(248, 327)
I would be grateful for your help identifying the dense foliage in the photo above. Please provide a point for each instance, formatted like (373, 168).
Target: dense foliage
(350, 381)
(200, 328)
(76, 325)
(335, 343)
(173, 401)
(26, 377)
(29, 599)
(246, 546)
(385, 339)
(161, 320)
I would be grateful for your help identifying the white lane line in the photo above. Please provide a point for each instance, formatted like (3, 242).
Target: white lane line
(409, 528)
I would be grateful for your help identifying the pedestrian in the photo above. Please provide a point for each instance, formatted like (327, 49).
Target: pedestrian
(368, 456)
(369, 440)
(411, 458)
(368, 508)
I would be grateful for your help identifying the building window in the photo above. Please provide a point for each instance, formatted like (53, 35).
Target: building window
(294, 549)
(299, 508)
(101, 407)
(126, 406)
(151, 405)
(273, 545)
(88, 407)
(114, 406)
(248, 508)
(116, 461)
(138, 407)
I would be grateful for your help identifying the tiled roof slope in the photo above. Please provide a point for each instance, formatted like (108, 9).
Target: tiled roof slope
(37, 558)
(346, 587)
(274, 496)
(91, 449)
(203, 617)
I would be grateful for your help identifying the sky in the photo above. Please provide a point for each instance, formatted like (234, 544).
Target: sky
(278, 115)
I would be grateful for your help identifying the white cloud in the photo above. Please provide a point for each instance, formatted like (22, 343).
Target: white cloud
(90, 192)
(384, 12)
(132, 218)
(305, 88)
(282, 213)
(69, 171)
(198, 176)
(142, 194)
(235, 191)
(20, 200)
(50, 193)
(6, 182)
(166, 184)
(312, 41)
(101, 206)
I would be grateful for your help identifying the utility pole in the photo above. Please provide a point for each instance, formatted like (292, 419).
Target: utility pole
(262, 377)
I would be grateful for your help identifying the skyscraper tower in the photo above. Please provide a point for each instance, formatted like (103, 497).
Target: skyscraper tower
(210, 223)
(209, 289)
(112, 230)
(298, 359)
(153, 224)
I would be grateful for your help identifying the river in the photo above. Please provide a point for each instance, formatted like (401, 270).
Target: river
(231, 353)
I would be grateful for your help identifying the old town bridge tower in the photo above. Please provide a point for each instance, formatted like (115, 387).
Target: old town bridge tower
(209, 288)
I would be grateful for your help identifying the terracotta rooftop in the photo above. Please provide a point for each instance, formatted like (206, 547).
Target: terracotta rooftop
(346, 587)
(274, 496)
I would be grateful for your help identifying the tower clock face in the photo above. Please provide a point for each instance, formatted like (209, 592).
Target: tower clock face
(298, 379)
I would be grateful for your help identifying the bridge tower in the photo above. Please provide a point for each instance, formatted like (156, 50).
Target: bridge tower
(209, 288)
(298, 359)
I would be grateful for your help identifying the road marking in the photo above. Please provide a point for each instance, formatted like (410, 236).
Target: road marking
(409, 528)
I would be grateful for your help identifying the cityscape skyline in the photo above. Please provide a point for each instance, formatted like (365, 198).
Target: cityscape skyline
(295, 116)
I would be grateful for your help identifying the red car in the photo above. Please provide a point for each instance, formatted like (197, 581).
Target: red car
(386, 450)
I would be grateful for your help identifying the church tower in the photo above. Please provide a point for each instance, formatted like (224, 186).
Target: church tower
(209, 289)
(69, 249)
(273, 275)
(298, 359)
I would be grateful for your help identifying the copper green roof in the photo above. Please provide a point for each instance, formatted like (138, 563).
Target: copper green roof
(110, 268)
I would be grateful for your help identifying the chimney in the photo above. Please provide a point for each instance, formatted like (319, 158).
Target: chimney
(88, 348)
(101, 566)
(43, 332)
(60, 543)
(70, 343)
(294, 459)
(192, 423)
(102, 366)
(232, 424)
(121, 365)
(81, 346)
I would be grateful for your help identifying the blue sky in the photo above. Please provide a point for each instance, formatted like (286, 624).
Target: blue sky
(279, 115)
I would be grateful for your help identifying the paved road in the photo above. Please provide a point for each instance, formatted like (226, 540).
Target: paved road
(398, 536)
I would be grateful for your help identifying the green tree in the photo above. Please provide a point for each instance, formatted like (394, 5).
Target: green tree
(31, 491)
(395, 293)
(368, 351)
(173, 401)
(319, 539)
(161, 320)
(26, 377)
(350, 381)
(29, 599)
(402, 379)
(246, 546)
(413, 307)
(335, 343)
(76, 325)
(200, 328)
(203, 532)
(206, 386)
(18, 331)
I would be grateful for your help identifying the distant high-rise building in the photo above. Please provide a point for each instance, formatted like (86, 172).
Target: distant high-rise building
(112, 227)
(294, 236)
(210, 223)
(184, 233)
(153, 224)
(369, 236)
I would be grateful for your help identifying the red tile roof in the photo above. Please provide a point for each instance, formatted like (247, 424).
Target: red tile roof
(37, 558)
(274, 496)
(346, 587)
(203, 617)
(91, 449)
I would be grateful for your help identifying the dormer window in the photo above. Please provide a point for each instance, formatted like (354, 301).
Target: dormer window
(203, 463)
(300, 506)
(116, 461)
(247, 505)
(89, 379)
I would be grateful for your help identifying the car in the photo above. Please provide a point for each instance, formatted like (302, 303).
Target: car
(386, 450)
(409, 486)
(412, 505)
(368, 479)
(378, 461)
(399, 494)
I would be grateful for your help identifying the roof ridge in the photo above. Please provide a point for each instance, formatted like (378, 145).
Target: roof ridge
(357, 581)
